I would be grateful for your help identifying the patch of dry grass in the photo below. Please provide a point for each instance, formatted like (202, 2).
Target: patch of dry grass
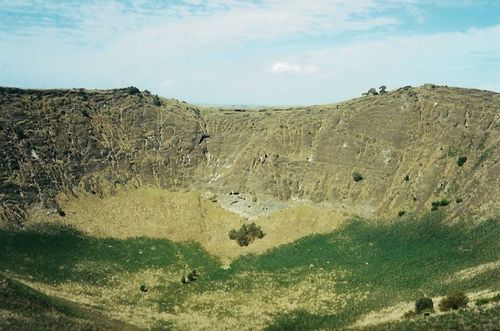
(186, 216)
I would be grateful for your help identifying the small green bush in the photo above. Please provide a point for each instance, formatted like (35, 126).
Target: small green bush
(439, 203)
(133, 90)
(357, 176)
(443, 202)
(190, 277)
(19, 133)
(461, 160)
(156, 100)
(424, 304)
(453, 301)
(246, 234)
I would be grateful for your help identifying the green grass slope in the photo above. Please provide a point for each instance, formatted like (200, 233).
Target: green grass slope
(324, 281)
(23, 308)
(393, 262)
(485, 319)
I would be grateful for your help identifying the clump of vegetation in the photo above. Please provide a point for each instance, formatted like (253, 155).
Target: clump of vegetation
(143, 288)
(357, 176)
(484, 301)
(190, 277)
(401, 213)
(19, 133)
(247, 234)
(423, 305)
(453, 301)
(371, 91)
(133, 90)
(156, 100)
(439, 203)
(459, 200)
(461, 160)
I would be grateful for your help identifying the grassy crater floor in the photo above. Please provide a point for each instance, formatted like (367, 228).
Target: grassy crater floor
(326, 281)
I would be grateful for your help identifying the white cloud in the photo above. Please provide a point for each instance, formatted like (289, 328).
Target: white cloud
(193, 23)
(237, 51)
(292, 68)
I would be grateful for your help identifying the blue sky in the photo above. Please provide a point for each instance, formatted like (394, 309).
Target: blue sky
(250, 52)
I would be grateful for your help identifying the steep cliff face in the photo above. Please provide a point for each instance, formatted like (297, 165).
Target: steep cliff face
(95, 141)
(411, 147)
(406, 146)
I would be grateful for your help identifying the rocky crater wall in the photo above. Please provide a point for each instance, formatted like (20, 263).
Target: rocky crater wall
(406, 146)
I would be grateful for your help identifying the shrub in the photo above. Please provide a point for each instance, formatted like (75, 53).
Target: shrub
(190, 277)
(459, 200)
(454, 301)
(439, 203)
(401, 213)
(357, 176)
(19, 133)
(461, 160)
(156, 100)
(133, 90)
(247, 234)
(424, 304)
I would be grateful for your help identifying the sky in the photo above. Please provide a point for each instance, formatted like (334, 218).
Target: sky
(250, 52)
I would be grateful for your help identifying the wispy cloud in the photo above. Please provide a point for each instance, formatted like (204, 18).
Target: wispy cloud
(275, 51)
(196, 23)
(292, 68)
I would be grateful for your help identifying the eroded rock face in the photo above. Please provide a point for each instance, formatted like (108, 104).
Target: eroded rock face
(98, 141)
(405, 144)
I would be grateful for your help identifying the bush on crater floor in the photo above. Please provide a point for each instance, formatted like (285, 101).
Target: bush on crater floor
(424, 304)
(453, 301)
(247, 234)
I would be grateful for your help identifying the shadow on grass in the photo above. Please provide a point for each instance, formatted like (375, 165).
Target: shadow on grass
(27, 309)
(401, 255)
(56, 254)
(392, 261)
